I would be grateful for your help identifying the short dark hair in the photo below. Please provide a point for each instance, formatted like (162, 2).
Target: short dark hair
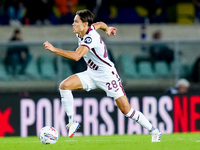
(86, 16)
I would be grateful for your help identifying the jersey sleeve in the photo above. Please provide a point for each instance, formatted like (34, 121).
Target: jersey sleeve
(89, 41)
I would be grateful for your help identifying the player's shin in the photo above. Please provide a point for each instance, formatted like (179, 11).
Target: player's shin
(67, 101)
(138, 117)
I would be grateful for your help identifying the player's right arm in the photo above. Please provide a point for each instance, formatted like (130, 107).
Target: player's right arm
(109, 30)
(73, 55)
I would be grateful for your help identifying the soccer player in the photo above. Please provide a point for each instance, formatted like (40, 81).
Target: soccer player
(100, 72)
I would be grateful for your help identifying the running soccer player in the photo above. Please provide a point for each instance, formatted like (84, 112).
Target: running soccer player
(100, 72)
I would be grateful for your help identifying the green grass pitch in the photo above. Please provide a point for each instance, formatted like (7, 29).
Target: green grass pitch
(181, 141)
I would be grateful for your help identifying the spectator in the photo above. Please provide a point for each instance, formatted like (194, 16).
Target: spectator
(17, 56)
(2, 9)
(160, 51)
(157, 10)
(196, 71)
(100, 9)
(197, 9)
(38, 11)
(181, 87)
(67, 9)
(15, 9)
(44, 10)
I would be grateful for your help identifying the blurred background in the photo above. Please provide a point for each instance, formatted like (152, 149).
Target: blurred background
(157, 42)
(156, 52)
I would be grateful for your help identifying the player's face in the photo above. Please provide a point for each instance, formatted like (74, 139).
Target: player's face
(78, 25)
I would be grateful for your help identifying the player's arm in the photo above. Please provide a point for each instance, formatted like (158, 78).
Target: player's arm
(73, 55)
(109, 30)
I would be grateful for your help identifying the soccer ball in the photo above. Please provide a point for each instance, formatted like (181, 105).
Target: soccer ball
(48, 135)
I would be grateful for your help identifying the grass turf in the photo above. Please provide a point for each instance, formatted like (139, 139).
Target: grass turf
(181, 141)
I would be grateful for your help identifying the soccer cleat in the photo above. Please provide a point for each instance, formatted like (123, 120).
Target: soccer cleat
(156, 135)
(72, 127)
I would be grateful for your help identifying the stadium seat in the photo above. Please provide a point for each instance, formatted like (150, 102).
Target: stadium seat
(47, 67)
(180, 69)
(66, 69)
(161, 69)
(188, 68)
(185, 13)
(32, 70)
(3, 74)
(145, 69)
(128, 66)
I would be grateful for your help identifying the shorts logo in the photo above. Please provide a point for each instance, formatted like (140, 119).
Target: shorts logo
(88, 40)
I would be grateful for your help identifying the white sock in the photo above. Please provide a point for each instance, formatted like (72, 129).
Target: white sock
(68, 103)
(138, 117)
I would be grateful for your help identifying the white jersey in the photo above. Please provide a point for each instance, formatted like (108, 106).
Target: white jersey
(97, 57)
(100, 71)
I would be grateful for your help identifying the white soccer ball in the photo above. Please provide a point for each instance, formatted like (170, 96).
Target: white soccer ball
(48, 135)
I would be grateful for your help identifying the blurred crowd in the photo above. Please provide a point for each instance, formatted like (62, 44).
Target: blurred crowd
(18, 12)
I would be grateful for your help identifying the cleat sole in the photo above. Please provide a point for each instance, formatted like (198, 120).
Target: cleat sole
(75, 131)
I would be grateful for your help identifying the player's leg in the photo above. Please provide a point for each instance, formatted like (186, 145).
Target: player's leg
(124, 106)
(66, 86)
(71, 83)
(80, 80)
(111, 84)
(137, 116)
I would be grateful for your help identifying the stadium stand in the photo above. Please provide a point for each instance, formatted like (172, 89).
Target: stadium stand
(47, 67)
(161, 69)
(128, 66)
(3, 74)
(146, 70)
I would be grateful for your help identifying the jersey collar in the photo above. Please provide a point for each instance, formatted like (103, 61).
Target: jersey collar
(89, 29)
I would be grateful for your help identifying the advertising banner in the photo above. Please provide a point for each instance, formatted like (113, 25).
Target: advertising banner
(24, 114)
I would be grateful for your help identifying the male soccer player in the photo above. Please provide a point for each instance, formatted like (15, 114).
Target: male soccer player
(100, 72)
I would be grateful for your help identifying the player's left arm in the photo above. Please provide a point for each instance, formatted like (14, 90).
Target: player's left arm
(109, 30)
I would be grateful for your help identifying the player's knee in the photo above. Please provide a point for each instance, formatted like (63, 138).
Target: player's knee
(123, 104)
(64, 86)
(125, 109)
